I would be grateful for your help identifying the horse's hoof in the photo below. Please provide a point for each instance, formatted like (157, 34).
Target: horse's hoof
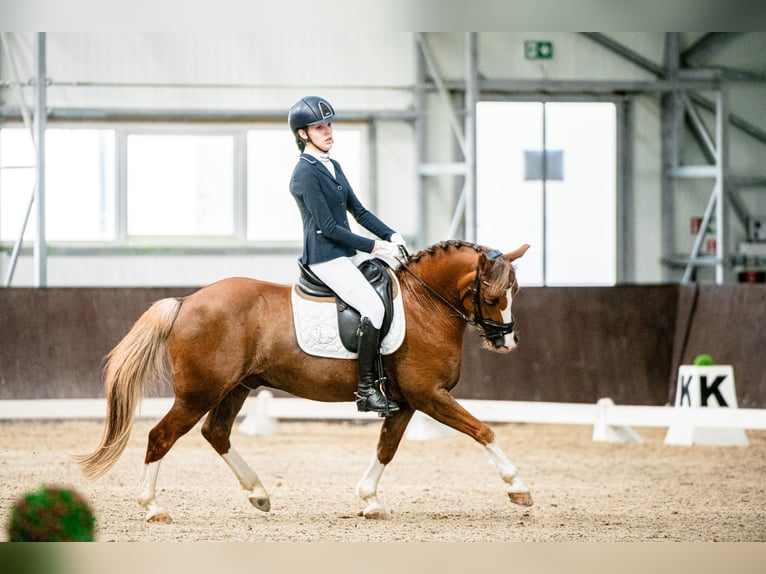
(521, 498)
(159, 518)
(376, 513)
(260, 502)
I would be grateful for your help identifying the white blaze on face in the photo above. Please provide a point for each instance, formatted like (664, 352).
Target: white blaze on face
(509, 340)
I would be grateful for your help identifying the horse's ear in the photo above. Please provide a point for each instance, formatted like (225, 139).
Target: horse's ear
(516, 253)
(484, 264)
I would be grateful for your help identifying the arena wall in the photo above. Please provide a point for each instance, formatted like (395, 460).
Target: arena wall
(576, 344)
(625, 343)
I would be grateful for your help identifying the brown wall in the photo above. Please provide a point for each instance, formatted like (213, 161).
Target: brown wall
(53, 341)
(577, 344)
(729, 323)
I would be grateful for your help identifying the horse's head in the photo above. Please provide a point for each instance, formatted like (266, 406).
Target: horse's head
(487, 293)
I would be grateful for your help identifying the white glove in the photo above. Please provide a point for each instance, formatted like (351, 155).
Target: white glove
(385, 249)
(388, 252)
(398, 240)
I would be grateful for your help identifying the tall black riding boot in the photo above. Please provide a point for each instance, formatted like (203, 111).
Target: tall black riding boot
(368, 396)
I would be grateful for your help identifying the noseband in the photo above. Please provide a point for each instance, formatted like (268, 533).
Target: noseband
(490, 330)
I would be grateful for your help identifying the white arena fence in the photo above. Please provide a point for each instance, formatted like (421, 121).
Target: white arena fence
(611, 423)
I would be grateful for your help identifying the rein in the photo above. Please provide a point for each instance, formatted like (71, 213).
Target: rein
(490, 329)
(443, 299)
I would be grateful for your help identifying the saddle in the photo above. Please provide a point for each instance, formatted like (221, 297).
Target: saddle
(378, 275)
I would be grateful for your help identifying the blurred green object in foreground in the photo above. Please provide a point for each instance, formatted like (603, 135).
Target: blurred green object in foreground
(51, 514)
(703, 360)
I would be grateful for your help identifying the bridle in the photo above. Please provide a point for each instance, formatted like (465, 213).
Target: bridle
(491, 330)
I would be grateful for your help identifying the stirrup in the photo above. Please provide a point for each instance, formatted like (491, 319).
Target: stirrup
(363, 402)
(363, 407)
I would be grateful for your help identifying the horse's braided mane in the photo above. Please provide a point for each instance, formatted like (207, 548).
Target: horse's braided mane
(499, 275)
(428, 303)
(443, 246)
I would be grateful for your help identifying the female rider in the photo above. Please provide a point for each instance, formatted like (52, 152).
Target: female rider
(330, 249)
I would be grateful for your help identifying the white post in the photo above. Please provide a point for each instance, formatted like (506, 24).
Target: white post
(604, 432)
(40, 251)
(259, 422)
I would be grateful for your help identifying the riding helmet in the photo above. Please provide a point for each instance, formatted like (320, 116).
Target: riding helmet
(310, 111)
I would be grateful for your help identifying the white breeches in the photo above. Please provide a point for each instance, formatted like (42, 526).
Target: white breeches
(343, 277)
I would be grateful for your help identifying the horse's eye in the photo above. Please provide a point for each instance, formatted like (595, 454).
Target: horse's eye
(491, 302)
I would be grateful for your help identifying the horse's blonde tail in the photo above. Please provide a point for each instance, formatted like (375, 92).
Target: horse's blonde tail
(137, 360)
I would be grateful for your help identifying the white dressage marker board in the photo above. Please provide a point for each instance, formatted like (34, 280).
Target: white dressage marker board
(709, 387)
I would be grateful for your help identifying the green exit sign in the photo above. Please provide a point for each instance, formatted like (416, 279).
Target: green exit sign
(535, 50)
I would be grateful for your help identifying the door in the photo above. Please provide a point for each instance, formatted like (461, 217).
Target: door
(546, 175)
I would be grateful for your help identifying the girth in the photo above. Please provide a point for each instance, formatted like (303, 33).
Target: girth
(378, 275)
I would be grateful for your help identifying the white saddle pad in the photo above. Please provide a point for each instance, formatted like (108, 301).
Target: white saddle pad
(316, 326)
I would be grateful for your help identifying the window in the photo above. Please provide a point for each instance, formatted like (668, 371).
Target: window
(79, 184)
(180, 185)
(565, 210)
(157, 182)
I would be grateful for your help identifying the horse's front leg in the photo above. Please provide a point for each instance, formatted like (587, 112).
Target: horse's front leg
(390, 436)
(518, 492)
(445, 409)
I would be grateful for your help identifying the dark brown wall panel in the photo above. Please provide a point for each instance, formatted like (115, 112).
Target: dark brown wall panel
(577, 344)
(53, 341)
(729, 323)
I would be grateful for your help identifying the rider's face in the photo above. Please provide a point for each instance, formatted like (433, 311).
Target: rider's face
(320, 135)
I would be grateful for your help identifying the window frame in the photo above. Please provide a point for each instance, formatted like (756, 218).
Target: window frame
(239, 199)
(238, 240)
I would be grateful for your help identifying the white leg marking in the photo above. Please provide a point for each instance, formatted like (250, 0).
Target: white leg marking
(146, 496)
(507, 470)
(250, 482)
(367, 490)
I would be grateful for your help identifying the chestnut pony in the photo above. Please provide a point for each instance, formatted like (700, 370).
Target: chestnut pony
(236, 335)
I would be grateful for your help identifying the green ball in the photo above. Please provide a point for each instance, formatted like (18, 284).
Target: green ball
(51, 514)
(703, 360)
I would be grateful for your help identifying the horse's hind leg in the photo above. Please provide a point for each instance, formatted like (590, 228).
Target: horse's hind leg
(390, 436)
(177, 422)
(217, 431)
(444, 408)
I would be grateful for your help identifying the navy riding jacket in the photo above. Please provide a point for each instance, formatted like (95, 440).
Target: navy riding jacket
(324, 202)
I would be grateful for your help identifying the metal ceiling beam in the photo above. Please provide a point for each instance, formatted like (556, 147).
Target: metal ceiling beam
(628, 54)
(199, 115)
(465, 209)
(736, 75)
(433, 71)
(724, 198)
(708, 145)
(744, 126)
(650, 66)
(710, 81)
(710, 42)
